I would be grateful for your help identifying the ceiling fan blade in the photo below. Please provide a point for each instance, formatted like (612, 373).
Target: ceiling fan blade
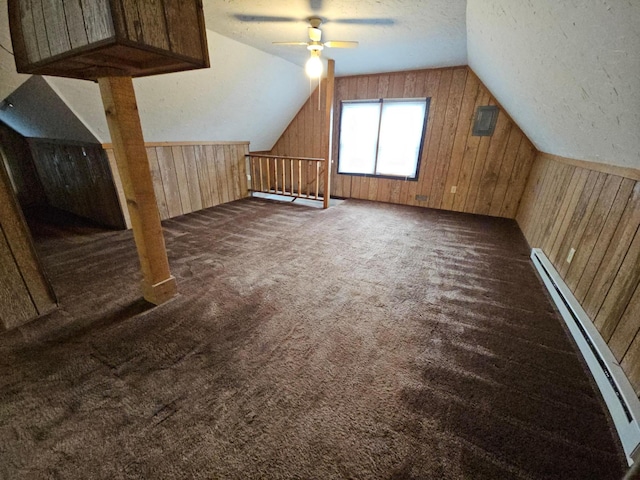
(263, 18)
(366, 21)
(315, 34)
(340, 44)
(295, 44)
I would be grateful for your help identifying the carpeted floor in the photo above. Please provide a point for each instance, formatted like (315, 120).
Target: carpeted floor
(365, 341)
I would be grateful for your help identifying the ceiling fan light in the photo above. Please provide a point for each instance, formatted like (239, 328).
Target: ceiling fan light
(314, 66)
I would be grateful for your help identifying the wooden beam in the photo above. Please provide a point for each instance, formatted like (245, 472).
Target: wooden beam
(121, 110)
(25, 292)
(328, 130)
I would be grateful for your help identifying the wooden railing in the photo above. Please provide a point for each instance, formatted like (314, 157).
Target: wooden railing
(290, 176)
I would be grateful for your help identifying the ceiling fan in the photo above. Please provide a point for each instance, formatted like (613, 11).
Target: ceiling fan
(315, 45)
(315, 38)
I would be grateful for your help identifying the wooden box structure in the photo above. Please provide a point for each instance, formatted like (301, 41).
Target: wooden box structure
(89, 39)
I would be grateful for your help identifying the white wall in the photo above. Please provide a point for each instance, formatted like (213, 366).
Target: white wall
(247, 94)
(38, 112)
(568, 72)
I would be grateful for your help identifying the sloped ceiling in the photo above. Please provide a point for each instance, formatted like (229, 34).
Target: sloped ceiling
(246, 95)
(255, 89)
(38, 112)
(567, 72)
(393, 34)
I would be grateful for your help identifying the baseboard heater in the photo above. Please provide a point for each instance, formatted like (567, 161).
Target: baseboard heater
(621, 399)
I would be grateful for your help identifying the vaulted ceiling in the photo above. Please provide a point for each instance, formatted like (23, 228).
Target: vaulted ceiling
(393, 34)
(567, 72)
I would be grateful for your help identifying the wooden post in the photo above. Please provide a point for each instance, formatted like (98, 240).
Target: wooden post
(118, 98)
(328, 131)
(25, 291)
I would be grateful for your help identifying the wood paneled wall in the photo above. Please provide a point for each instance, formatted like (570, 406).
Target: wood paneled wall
(77, 178)
(191, 176)
(594, 209)
(27, 185)
(92, 39)
(489, 173)
(25, 292)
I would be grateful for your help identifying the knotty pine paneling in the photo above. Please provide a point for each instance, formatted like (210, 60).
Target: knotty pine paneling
(77, 178)
(191, 176)
(489, 173)
(594, 209)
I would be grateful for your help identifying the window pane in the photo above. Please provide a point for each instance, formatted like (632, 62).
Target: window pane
(400, 138)
(358, 137)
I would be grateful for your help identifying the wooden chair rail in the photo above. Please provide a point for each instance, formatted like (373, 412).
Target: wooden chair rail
(282, 175)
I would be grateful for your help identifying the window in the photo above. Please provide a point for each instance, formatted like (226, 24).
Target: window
(382, 137)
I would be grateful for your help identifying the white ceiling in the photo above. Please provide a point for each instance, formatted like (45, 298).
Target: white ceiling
(398, 34)
(393, 34)
(568, 72)
(39, 112)
(222, 103)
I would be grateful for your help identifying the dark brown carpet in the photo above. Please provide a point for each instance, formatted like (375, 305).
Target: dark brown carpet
(366, 341)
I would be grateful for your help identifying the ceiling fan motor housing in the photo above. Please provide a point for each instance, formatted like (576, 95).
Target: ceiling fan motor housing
(315, 22)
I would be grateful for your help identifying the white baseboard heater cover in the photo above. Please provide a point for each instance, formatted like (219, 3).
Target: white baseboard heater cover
(621, 399)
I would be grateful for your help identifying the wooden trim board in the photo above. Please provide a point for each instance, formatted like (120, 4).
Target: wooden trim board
(627, 172)
(107, 146)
